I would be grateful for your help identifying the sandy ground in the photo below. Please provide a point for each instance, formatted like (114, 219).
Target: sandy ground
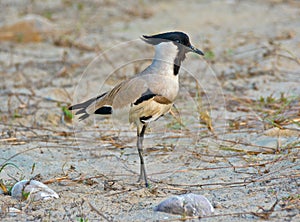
(247, 83)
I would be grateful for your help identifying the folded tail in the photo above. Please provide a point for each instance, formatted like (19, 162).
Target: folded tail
(85, 108)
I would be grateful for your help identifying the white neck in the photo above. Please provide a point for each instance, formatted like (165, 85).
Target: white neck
(165, 54)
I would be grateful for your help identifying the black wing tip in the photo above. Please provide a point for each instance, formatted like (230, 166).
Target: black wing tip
(80, 111)
(77, 106)
(85, 104)
(84, 116)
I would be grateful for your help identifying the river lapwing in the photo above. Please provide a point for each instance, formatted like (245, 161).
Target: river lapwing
(147, 95)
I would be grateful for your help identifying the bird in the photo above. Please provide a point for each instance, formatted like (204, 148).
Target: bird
(148, 95)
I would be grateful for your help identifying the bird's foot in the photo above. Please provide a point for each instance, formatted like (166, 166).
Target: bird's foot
(142, 179)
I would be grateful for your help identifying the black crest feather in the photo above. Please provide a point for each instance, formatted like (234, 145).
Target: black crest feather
(176, 37)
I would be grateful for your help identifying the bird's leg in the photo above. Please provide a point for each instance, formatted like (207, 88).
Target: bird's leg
(140, 139)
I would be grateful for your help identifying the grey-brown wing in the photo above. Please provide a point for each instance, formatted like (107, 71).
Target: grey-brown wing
(129, 92)
(122, 95)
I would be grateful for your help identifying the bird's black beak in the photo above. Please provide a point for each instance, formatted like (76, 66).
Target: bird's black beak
(195, 50)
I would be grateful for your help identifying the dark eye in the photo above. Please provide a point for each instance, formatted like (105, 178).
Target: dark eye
(178, 41)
